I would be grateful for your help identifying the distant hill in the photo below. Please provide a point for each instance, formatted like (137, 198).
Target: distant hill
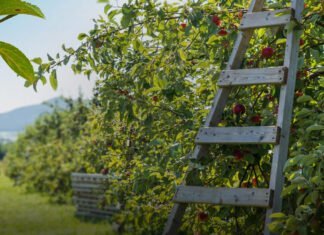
(16, 120)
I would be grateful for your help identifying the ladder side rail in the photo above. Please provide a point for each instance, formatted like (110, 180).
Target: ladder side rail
(280, 151)
(175, 218)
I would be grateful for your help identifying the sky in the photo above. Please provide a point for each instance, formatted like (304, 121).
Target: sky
(36, 37)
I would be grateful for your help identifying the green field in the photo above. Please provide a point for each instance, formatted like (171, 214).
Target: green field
(32, 214)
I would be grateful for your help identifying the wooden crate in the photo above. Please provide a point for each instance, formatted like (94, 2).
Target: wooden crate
(88, 195)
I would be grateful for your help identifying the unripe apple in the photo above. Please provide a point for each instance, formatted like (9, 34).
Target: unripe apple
(267, 52)
(245, 184)
(239, 109)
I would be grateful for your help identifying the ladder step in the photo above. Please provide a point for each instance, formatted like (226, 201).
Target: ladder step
(276, 75)
(258, 197)
(266, 19)
(238, 135)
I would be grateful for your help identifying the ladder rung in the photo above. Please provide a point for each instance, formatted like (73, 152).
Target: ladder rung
(258, 197)
(238, 135)
(277, 75)
(266, 19)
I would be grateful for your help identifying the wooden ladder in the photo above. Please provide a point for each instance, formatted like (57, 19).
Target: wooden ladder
(278, 135)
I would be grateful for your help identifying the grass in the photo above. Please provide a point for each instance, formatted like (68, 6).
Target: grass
(32, 214)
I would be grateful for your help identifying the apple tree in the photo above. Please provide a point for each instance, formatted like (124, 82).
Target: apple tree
(157, 66)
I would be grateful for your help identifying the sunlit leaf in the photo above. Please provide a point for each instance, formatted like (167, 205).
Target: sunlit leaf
(17, 61)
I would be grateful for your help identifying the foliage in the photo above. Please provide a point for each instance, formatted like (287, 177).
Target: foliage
(45, 154)
(15, 59)
(3, 150)
(158, 65)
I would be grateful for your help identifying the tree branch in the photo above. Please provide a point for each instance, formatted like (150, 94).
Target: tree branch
(6, 18)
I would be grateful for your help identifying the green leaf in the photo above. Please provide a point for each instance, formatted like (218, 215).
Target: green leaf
(82, 36)
(288, 190)
(304, 98)
(182, 55)
(14, 7)
(278, 216)
(107, 8)
(281, 13)
(315, 127)
(281, 41)
(125, 21)
(303, 113)
(17, 61)
(43, 79)
(53, 80)
(275, 227)
(37, 60)
(299, 180)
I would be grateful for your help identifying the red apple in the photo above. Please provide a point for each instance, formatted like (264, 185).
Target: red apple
(301, 42)
(270, 97)
(98, 44)
(104, 171)
(202, 216)
(216, 20)
(294, 233)
(155, 98)
(267, 52)
(225, 43)
(183, 25)
(222, 32)
(302, 190)
(254, 182)
(256, 119)
(250, 62)
(233, 27)
(239, 109)
(299, 93)
(240, 14)
(238, 154)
